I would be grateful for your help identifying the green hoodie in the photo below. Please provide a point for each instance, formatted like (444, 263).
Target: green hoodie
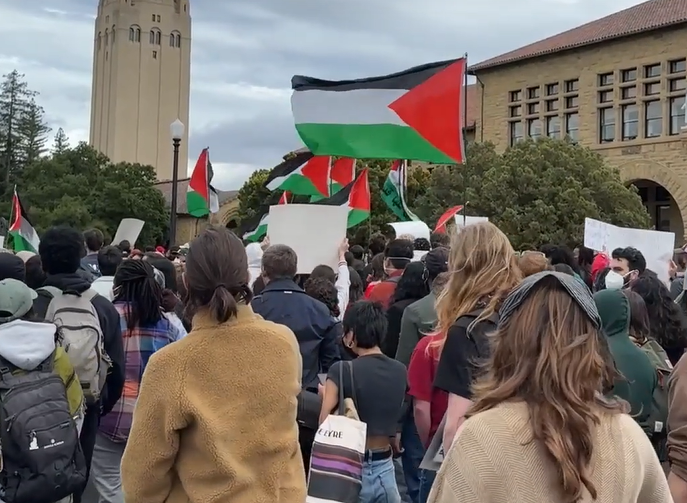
(636, 386)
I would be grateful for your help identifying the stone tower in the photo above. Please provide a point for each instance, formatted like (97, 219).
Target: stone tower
(141, 81)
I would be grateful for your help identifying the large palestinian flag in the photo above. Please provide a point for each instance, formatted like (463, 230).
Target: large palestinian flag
(24, 236)
(415, 114)
(303, 174)
(356, 196)
(253, 229)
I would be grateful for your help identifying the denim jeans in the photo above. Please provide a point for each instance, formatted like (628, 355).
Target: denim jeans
(413, 452)
(426, 480)
(379, 482)
(105, 469)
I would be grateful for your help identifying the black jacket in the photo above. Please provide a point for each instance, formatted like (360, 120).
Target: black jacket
(283, 302)
(110, 325)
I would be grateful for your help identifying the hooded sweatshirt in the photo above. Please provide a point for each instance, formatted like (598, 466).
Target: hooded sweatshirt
(254, 253)
(27, 344)
(638, 380)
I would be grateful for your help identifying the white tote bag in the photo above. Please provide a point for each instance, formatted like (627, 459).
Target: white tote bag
(336, 463)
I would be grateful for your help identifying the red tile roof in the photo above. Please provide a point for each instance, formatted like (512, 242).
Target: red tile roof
(647, 16)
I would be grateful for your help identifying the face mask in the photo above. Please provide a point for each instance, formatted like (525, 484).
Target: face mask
(614, 281)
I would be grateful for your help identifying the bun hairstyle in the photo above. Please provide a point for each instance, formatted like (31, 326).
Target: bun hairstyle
(217, 274)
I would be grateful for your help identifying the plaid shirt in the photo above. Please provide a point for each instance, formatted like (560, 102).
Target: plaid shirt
(139, 345)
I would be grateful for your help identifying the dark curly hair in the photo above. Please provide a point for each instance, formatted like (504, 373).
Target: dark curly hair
(357, 288)
(414, 284)
(667, 322)
(323, 290)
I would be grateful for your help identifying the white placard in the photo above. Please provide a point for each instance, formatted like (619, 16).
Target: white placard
(129, 229)
(314, 231)
(464, 221)
(656, 246)
(415, 228)
(2, 241)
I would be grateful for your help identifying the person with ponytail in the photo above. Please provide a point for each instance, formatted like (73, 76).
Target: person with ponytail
(145, 330)
(215, 418)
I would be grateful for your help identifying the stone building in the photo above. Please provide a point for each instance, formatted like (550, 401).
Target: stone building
(141, 81)
(616, 85)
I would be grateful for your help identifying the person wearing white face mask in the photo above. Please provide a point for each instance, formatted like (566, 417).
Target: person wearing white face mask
(628, 263)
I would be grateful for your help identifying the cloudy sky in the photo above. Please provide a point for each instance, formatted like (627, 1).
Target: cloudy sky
(245, 52)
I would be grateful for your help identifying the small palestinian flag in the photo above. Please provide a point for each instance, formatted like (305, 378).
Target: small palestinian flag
(341, 174)
(284, 199)
(394, 192)
(355, 195)
(253, 229)
(24, 236)
(414, 114)
(304, 174)
(199, 197)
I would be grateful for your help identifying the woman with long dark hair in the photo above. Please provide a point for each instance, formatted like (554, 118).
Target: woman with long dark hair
(216, 414)
(540, 429)
(145, 330)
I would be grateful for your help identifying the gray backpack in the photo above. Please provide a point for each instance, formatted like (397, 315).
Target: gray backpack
(82, 338)
(41, 453)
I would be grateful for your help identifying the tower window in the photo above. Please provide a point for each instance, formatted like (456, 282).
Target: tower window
(107, 37)
(134, 34)
(175, 39)
(154, 54)
(158, 18)
(153, 18)
(155, 36)
(113, 33)
(100, 37)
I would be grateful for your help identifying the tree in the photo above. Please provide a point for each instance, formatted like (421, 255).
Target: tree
(81, 188)
(254, 196)
(537, 192)
(60, 142)
(15, 104)
(33, 133)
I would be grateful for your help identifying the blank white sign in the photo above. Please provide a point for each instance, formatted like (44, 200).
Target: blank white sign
(314, 231)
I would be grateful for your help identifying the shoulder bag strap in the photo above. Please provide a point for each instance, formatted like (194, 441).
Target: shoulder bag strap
(349, 365)
(341, 409)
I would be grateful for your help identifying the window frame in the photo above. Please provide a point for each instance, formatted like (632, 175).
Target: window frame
(576, 136)
(678, 117)
(604, 123)
(626, 122)
(653, 120)
(513, 138)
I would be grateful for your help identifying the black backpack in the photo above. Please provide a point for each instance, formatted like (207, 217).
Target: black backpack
(479, 331)
(41, 453)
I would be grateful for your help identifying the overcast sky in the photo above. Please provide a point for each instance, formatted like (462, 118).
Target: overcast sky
(245, 52)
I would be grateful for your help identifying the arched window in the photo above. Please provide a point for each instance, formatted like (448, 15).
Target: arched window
(107, 37)
(134, 34)
(178, 40)
(171, 39)
(155, 36)
(175, 39)
(113, 33)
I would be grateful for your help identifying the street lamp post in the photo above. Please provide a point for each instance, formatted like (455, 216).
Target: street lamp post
(176, 130)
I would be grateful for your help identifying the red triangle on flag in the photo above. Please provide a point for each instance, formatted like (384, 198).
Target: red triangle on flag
(343, 171)
(284, 199)
(199, 178)
(317, 171)
(443, 219)
(359, 199)
(434, 109)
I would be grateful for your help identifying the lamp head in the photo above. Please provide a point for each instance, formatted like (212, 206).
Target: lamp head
(176, 130)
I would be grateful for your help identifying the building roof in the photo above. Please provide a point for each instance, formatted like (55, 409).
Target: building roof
(642, 18)
(165, 187)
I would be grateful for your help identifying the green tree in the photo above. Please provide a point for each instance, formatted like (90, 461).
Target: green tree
(537, 192)
(254, 196)
(33, 133)
(60, 142)
(81, 188)
(15, 104)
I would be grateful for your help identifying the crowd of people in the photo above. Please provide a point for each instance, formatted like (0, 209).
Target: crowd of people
(549, 375)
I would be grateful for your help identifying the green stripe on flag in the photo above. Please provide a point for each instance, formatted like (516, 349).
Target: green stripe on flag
(196, 204)
(20, 244)
(372, 141)
(357, 216)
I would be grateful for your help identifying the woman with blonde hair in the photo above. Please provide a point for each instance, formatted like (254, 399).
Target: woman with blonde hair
(483, 269)
(540, 430)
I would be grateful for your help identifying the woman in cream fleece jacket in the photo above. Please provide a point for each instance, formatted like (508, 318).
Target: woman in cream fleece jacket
(215, 419)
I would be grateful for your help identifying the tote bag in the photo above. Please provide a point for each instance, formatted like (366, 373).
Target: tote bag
(336, 463)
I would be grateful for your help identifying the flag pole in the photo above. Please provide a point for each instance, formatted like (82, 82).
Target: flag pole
(465, 122)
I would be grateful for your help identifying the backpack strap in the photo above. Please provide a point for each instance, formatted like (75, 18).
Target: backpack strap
(49, 291)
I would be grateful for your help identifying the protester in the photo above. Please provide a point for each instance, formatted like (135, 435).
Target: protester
(585, 259)
(12, 267)
(94, 240)
(254, 253)
(397, 255)
(236, 379)
(677, 432)
(629, 263)
(539, 431)
(483, 268)
(376, 274)
(35, 275)
(357, 288)
(532, 262)
(282, 301)
(341, 279)
(376, 246)
(377, 384)
(145, 331)
(109, 259)
(125, 246)
(60, 250)
(637, 380)
(639, 318)
(439, 239)
(413, 286)
(166, 267)
(173, 310)
(358, 263)
(667, 322)
(420, 317)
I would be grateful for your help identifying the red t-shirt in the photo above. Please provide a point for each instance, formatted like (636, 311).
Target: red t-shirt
(384, 291)
(421, 371)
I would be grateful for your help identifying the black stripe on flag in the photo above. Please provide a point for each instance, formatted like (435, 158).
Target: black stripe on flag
(289, 166)
(338, 199)
(252, 223)
(406, 79)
